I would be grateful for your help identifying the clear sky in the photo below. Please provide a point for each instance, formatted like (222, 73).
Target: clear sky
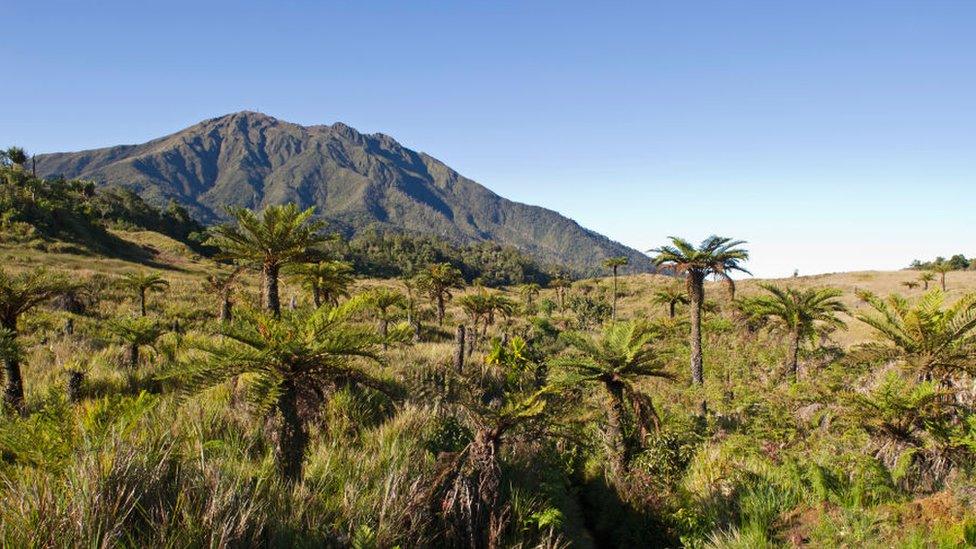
(830, 135)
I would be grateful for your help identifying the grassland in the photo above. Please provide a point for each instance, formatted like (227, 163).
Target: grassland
(769, 462)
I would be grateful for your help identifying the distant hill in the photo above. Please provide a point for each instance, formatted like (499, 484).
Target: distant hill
(356, 181)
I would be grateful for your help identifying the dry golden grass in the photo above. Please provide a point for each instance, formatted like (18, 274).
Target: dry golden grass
(636, 291)
(186, 269)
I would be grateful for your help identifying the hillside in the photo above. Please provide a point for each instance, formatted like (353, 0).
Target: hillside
(355, 181)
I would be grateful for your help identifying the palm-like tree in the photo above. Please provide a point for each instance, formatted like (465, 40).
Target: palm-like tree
(499, 304)
(799, 314)
(670, 296)
(327, 281)
(910, 284)
(290, 364)
(278, 236)
(617, 361)
(142, 283)
(907, 415)
(614, 263)
(560, 282)
(930, 338)
(925, 278)
(476, 306)
(715, 256)
(19, 294)
(468, 489)
(415, 313)
(136, 333)
(437, 281)
(385, 302)
(529, 292)
(223, 285)
(942, 269)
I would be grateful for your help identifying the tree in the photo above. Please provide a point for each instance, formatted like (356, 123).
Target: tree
(437, 281)
(467, 493)
(925, 278)
(498, 304)
(799, 314)
(958, 262)
(223, 285)
(617, 361)
(293, 362)
(385, 302)
(477, 307)
(136, 333)
(942, 268)
(560, 283)
(715, 256)
(415, 313)
(671, 296)
(467, 488)
(327, 281)
(911, 419)
(613, 263)
(19, 294)
(278, 236)
(16, 156)
(529, 292)
(142, 283)
(910, 284)
(930, 339)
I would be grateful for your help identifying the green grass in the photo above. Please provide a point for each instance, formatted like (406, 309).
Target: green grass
(138, 463)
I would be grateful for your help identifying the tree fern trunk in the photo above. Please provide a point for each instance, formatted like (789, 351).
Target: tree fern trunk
(459, 349)
(226, 314)
(142, 301)
(794, 356)
(613, 316)
(75, 379)
(13, 394)
(133, 356)
(472, 338)
(617, 444)
(271, 297)
(696, 293)
(289, 449)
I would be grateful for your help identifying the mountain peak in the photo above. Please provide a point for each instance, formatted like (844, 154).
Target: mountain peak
(357, 181)
(346, 130)
(247, 115)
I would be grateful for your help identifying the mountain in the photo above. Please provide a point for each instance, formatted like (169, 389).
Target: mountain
(354, 180)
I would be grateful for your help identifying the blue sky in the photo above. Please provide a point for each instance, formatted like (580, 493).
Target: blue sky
(830, 135)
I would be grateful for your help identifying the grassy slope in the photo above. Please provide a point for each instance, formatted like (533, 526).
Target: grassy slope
(179, 264)
(186, 271)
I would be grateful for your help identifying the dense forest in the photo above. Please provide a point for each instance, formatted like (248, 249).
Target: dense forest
(37, 212)
(282, 388)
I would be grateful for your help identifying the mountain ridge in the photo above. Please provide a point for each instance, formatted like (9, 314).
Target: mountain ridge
(355, 180)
